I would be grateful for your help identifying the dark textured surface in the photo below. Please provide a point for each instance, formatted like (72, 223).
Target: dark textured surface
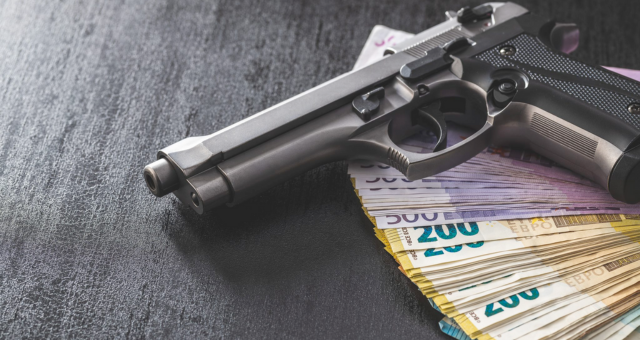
(90, 90)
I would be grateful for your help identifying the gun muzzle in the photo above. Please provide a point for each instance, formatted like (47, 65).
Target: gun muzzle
(160, 177)
(208, 189)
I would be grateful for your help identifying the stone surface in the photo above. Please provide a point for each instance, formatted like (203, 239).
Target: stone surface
(90, 90)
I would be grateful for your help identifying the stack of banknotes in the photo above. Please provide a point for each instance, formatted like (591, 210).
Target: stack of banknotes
(508, 245)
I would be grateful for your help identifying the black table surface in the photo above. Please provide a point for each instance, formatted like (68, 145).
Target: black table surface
(90, 90)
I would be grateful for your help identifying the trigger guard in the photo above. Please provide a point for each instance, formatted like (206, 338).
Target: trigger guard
(376, 145)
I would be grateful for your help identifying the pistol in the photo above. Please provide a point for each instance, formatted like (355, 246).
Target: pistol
(494, 68)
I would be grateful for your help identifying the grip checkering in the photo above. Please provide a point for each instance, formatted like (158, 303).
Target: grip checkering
(533, 53)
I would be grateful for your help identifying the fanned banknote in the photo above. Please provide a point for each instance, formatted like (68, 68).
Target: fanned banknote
(507, 245)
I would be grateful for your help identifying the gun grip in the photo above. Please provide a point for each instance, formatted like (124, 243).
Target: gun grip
(590, 122)
(625, 177)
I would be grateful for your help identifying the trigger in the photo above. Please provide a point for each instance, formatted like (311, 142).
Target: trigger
(430, 117)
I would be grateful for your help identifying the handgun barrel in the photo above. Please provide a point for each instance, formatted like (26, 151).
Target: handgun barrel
(268, 147)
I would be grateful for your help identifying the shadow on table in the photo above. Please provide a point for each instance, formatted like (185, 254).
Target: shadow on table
(310, 231)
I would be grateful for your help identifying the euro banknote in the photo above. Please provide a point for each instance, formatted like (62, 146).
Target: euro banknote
(507, 245)
(451, 328)
(501, 312)
(598, 291)
(618, 328)
(470, 298)
(439, 236)
(566, 302)
(579, 317)
(491, 274)
(398, 219)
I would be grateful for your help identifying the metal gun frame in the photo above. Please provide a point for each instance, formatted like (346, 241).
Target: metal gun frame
(365, 113)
